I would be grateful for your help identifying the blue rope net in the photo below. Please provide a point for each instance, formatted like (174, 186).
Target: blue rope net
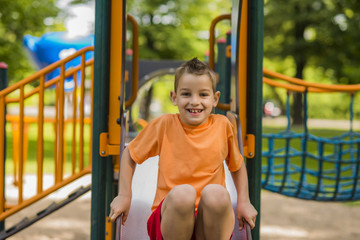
(332, 174)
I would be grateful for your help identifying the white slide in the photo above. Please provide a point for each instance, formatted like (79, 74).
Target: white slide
(144, 187)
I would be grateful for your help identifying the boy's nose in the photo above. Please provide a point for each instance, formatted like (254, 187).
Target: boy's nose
(194, 100)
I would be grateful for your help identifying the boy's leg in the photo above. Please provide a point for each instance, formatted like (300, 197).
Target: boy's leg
(177, 213)
(215, 217)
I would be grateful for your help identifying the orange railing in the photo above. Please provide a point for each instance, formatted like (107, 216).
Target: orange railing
(214, 22)
(135, 61)
(67, 110)
(298, 85)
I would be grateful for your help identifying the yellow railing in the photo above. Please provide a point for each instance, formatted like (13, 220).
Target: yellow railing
(68, 112)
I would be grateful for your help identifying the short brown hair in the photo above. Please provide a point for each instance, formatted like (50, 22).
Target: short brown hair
(195, 67)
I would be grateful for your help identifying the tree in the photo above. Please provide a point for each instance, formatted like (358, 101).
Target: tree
(175, 29)
(21, 17)
(18, 18)
(319, 33)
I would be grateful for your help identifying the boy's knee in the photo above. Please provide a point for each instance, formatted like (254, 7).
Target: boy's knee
(216, 198)
(182, 198)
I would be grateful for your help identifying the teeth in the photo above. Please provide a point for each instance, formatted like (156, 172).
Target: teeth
(194, 110)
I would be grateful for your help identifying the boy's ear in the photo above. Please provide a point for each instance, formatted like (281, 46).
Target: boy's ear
(216, 98)
(173, 97)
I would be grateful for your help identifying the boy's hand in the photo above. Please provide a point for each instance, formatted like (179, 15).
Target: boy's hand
(120, 205)
(245, 210)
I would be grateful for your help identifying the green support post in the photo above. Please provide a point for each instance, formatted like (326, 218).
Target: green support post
(100, 165)
(228, 67)
(221, 70)
(254, 100)
(3, 85)
(254, 60)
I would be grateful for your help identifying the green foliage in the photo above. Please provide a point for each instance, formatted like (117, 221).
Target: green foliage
(162, 90)
(160, 102)
(74, 2)
(315, 41)
(175, 29)
(319, 33)
(18, 18)
(320, 105)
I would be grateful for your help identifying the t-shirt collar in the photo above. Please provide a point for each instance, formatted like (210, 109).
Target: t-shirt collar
(198, 127)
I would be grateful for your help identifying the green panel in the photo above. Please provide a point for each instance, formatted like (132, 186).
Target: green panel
(228, 67)
(254, 101)
(3, 85)
(254, 90)
(235, 25)
(222, 70)
(100, 104)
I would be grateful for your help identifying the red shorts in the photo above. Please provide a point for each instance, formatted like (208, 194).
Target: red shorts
(154, 224)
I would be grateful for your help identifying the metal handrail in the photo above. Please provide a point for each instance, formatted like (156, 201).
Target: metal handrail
(135, 62)
(300, 85)
(58, 121)
(51, 82)
(215, 21)
(212, 38)
(45, 70)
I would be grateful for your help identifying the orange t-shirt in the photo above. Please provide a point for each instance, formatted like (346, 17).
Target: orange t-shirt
(187, 154)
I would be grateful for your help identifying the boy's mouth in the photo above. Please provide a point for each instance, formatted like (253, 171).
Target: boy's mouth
(194, 110)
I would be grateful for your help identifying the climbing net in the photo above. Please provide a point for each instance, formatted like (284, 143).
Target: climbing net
(329, 174)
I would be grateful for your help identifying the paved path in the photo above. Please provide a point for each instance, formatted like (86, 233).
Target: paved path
(318, 123)
(69, 222)
(285, 218)
(282, 218)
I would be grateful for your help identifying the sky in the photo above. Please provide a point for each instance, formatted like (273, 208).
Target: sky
(81, 17)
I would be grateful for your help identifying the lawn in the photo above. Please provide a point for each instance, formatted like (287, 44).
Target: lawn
(49, 146)
(325, 162)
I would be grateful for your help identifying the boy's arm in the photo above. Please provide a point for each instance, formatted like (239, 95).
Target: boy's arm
(121, 203)
(245, 210)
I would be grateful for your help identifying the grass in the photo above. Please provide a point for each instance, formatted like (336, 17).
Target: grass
(296, 143)
(49, 146)
(312, 163)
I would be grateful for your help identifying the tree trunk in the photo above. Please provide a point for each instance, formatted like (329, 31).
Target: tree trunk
(144, 112)
(297, 108)
(300, 61)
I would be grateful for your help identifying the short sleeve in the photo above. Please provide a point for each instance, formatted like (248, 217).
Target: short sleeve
(234, 159)
(147, 143)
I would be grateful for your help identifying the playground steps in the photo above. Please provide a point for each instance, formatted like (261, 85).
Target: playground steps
(27, 221)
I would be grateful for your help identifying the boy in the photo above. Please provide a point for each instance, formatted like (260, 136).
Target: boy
(192, 146)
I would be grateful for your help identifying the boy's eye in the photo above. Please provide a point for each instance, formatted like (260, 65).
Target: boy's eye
(186, 94)
(204, 94)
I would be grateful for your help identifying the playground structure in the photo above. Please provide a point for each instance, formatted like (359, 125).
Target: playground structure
(110, 143)
(330, 175)
(109, 66)
(74, 121)
(54, 46)
(285, 170)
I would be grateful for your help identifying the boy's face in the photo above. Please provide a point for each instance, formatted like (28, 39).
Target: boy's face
(194, 98)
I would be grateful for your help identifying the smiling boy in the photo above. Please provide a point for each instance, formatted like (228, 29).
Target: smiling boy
(191, 201)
